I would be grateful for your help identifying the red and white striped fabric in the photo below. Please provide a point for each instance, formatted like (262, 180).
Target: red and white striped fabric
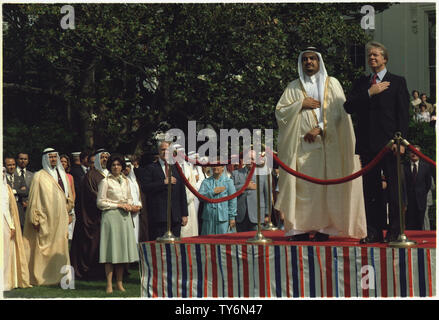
(192, 270)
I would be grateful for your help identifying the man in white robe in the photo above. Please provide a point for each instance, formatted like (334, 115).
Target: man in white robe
(316, 138)
(135, 194)
(45, 233)
(8, 236)
(16, 273)
(199, 176)
(191, 228)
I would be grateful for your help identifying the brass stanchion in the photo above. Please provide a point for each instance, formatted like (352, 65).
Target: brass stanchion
(168, 237)
(403, 241)
(269, 226)
(259, 238)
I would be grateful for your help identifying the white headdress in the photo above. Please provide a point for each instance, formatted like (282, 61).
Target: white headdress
(97, 162)
(53, 171)
(134, 186)
(320, 76)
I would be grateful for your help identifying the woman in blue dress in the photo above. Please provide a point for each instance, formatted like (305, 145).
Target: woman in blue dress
(218, 218)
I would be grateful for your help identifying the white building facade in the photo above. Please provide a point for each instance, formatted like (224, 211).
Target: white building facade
(408, 30)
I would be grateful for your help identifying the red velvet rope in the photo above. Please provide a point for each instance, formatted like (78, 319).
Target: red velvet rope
(206, 199)
(353, 176)
(421, 155)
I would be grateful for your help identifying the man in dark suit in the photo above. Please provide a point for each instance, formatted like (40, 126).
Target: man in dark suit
(154, 183)
(381, 105)
(22, 170)
(22, 160)
(18, 186)
(418, 181)
(78, 172)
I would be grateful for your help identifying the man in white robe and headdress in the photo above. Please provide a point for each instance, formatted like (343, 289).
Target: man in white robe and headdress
(198, 173)
(45, 234)
(135, 193)
(316, 138)
(191, 228)
(15, 267)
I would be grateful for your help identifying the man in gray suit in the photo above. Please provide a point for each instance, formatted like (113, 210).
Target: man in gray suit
(26, 174)
(18, 186)
(247, 208)
(22, 171)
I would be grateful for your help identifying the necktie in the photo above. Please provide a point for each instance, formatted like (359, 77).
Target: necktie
(415, 171)
(61, 184)
(22, 178)
(374, 78)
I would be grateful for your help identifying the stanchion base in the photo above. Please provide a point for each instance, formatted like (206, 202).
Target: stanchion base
(259, 239)
(402, 242)
(269, 227)
(168, 237)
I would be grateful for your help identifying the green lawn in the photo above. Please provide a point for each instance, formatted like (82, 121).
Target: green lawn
(83, 289)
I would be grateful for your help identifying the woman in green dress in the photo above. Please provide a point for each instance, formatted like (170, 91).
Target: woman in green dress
(117, 243)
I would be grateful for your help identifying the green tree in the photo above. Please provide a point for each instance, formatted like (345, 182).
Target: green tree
(129, 70)
(422, 134)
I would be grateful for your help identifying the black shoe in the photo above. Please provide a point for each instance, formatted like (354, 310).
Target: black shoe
(371, 239)
(300, 237)
(320, 237)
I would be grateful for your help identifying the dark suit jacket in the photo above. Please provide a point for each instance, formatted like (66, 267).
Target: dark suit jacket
(151, 181)
(28, 177)
(378, 117)
(78, 174)
(20, 194)
(419, 188)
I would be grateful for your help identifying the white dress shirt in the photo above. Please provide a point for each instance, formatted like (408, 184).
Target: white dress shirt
(113, 191)
(19, 171)
(380, 77)
(415, 164)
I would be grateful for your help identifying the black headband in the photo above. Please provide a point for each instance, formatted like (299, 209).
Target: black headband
(49, 151)
(310, 49)
(100, 151)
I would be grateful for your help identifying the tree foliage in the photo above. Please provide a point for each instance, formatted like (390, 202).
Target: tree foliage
(422, 134)
(129, 70)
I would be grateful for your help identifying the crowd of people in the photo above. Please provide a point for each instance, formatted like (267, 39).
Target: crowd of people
(423, 110)
(91, 212)
(104, 204)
